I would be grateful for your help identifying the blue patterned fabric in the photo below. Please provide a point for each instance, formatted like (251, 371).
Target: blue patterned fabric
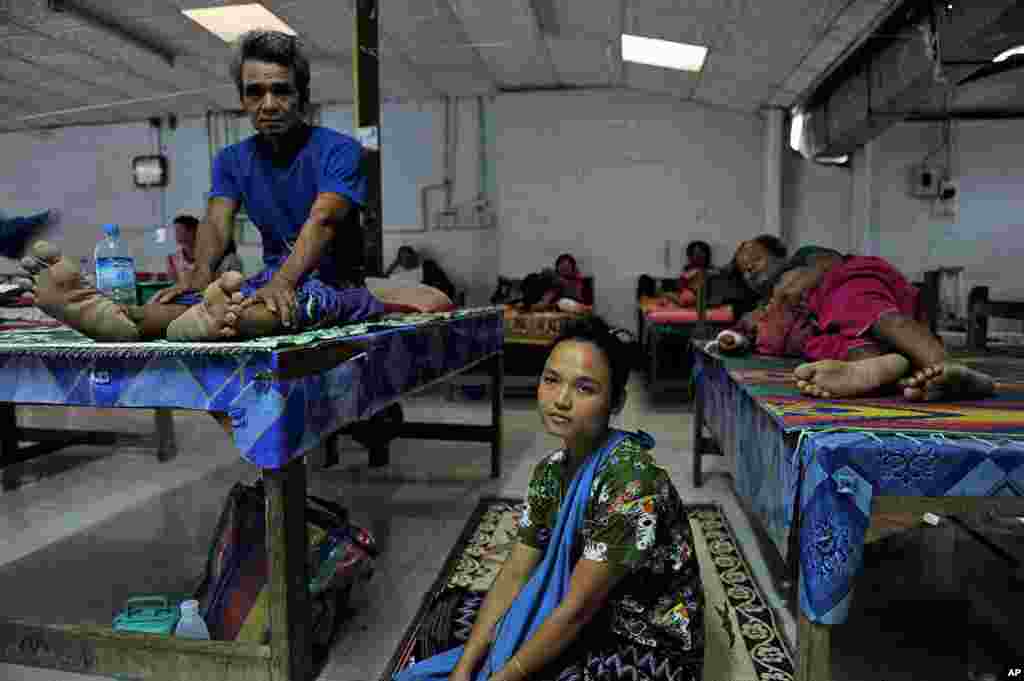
(842, 473)
(319, 304)
(274, 420)
(765, 477)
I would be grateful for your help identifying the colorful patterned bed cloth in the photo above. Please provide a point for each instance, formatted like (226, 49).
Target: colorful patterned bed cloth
(536, 327)
(770, 381)
(842, 471)
(274, 419)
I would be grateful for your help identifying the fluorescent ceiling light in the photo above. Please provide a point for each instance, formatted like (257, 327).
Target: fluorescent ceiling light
(796, 130)
(231, 21)
(833, 160)
(1003, 56)
(663, 53)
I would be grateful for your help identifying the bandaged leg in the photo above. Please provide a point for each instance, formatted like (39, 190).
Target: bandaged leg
(215, 318)
(60, 292)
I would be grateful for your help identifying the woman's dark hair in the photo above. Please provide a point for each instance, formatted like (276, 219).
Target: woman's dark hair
(692, 247)
(406, 249)
(563, 257)
(593, 329)
(276, 48)
(772, 244)
(188, 221)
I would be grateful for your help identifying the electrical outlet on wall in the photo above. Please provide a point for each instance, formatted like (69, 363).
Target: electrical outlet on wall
(947, 203)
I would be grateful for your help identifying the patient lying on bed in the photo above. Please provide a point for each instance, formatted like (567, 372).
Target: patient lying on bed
(858, 320)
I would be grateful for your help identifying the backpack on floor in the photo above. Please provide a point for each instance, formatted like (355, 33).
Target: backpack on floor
(233, 595)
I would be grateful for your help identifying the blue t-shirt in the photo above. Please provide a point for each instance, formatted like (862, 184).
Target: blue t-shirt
(278, 198)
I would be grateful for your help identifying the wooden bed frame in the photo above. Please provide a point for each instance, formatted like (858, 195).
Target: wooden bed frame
(523, 357)
(654, 343)
(980, 308)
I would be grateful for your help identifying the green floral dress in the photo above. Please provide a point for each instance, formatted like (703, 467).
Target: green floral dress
(635, 521)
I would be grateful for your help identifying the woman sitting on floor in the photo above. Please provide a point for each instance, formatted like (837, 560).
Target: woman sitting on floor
(604, 568)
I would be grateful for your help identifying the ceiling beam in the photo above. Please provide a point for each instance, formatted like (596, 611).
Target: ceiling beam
(112, 28)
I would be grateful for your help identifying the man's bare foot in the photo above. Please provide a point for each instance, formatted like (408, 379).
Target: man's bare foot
(832, 378)
(947, 382)
(216, 317)
(60, 292)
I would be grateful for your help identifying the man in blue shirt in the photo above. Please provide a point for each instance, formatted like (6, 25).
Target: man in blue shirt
(300, 185)
(15, 232)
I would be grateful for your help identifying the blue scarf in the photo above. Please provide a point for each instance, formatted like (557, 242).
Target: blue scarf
(547, 587)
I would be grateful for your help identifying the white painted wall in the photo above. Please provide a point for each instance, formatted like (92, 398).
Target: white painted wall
(86, 173)
(816, 204)
(987, 238)
(611, 176)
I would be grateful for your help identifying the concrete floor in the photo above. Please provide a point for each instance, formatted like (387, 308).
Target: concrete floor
(89, 527)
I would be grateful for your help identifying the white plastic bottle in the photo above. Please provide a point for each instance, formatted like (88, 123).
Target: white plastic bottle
(191, 624)
(115, 267)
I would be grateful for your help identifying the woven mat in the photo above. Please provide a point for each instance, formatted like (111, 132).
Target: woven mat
(744, 642)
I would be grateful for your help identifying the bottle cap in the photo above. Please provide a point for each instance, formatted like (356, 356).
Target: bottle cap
(111, 229)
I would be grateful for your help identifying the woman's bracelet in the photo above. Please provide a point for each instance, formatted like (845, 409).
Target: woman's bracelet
(519, 666)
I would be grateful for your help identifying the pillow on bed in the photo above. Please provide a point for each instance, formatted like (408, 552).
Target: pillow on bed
(399, 296)
(685, 315)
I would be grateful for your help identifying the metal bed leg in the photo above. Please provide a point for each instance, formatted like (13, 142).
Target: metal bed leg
(698, 434)
(497, 399)
(166, 446)
(291, 650)
(814, 644)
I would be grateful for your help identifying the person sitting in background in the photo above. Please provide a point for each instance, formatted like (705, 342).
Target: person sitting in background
(698, 262)
(410, 266)
(16, 232)
(561, 288)
(407, 266)
(183, 261)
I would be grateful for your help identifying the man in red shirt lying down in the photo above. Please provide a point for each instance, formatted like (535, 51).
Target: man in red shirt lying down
(858, 320)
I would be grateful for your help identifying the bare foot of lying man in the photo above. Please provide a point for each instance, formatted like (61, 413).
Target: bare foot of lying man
(216, 317)
(947, 381)
(833, 378)
(60, 292)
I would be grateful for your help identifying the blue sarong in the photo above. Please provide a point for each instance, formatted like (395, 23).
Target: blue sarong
(319, 304)
(546, 588)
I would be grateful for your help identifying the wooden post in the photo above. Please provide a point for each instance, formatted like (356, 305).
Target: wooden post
(366, 77)
(497, 398)
(977, 318)
(698, 431)
(815, 655)
(166, 447)
(8, 446)
(290, 637)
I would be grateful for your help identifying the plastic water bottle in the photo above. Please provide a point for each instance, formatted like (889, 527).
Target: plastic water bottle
(191, 624)
(115, 268)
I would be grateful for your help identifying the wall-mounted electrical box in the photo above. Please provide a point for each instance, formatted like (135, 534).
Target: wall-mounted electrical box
(925, 180)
